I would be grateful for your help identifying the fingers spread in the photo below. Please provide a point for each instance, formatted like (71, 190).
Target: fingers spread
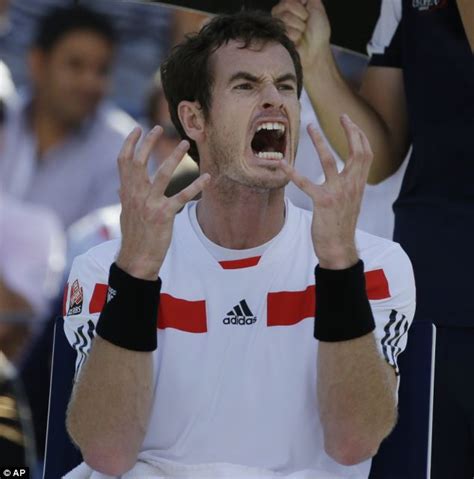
(128, 148)
(147, 145)
(347, 125)
(368, 155)
(326, 157)
(360, 152)
(165, 171)
(125, 157)
(190, 192)
(300, 181)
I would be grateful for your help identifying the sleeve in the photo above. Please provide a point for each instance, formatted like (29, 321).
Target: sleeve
(392, 295)
(84, 297)
(384, 48)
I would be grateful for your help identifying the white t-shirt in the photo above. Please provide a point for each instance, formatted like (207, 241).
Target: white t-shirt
(235, 367)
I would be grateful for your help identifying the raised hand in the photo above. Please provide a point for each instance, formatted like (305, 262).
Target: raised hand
(336, 203)
(307, 25)
(147, 214)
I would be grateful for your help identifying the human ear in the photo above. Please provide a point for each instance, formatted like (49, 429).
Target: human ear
(192, 119)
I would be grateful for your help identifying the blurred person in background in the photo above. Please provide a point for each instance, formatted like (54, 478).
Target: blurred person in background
(4, 18)
(60, 139)
(145, 33)
(16, 438)
(32, 259)
(32, 253)
(7, 94)
(418, 91)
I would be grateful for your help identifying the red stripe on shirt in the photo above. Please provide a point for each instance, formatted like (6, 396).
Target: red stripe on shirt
(376, 284)
(188, 316)
(286, 308)
(98, 298)
(240, 263)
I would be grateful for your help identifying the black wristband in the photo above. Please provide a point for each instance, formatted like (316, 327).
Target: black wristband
(343, 310)
(129, 316)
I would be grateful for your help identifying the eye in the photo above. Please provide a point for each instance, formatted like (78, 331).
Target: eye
(286, 87)
(244, 86)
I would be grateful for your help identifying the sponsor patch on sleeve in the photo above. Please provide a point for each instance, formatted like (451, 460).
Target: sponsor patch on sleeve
(76, 299)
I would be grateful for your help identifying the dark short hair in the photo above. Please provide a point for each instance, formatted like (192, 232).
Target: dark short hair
(186, 73)
(60, 21)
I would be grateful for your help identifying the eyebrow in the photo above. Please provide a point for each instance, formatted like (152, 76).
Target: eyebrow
(242, 75)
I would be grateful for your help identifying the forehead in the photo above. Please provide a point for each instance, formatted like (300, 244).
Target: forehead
(259, 59)
(81, 41)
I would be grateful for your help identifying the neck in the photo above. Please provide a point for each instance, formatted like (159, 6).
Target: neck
(239, 217)
(47, 128)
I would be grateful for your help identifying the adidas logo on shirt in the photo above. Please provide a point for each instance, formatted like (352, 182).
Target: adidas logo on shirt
(240, 315)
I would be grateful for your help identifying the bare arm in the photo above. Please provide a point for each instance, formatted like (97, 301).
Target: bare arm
(357, 399)
(185, 22)
(110, 406)
(111, 403)
(466, 10)
(379, 109)
(356, 387)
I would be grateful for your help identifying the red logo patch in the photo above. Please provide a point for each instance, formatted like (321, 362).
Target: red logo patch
(76, 299)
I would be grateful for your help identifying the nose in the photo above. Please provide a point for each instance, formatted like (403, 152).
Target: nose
(94, 80)
(271, 97)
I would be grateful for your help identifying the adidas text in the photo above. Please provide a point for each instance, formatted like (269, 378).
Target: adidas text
(241, 320)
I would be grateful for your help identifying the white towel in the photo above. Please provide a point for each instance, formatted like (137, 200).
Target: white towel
(149, 466)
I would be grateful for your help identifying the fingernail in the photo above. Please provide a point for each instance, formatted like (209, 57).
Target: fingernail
(136, 130)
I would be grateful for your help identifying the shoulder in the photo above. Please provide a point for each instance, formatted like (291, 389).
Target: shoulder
(87, 283)
(85, 295)
(374, 248)
(390, 265)
(94, 265)
(93, 229)
(382, 253)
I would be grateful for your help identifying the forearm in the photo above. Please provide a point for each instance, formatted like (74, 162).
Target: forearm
(110, 406)
(356, 395)
(331, 96)
(466, 11)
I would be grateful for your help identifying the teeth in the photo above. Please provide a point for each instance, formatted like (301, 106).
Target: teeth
(270, 155)
(272, 126)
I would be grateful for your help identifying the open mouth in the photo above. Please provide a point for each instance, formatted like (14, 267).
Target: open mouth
(269, 141)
